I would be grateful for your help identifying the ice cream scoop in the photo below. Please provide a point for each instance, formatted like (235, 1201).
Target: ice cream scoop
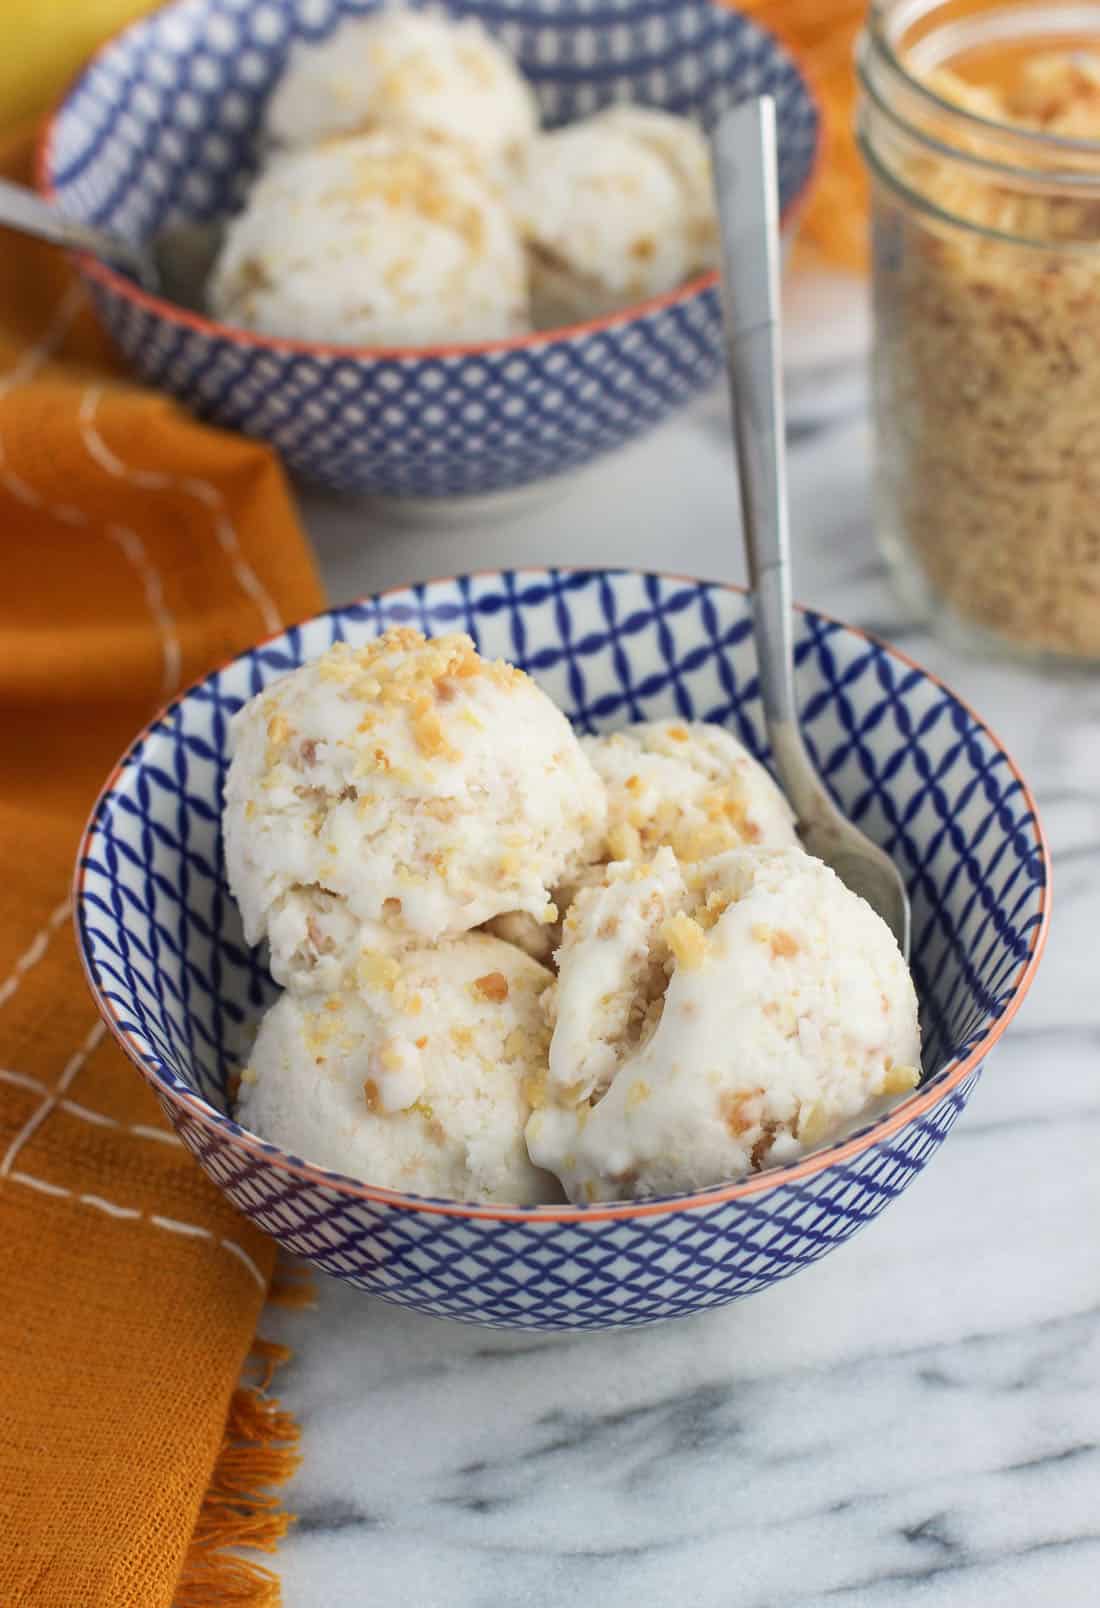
(399, 793)
(415, 1078)
(612, 209)
(681, 146)
(714, 1022)
(410, 72)
(384, 239)
(690, 785)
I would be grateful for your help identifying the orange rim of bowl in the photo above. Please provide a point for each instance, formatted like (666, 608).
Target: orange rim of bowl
(818, 1161)
(92, 267)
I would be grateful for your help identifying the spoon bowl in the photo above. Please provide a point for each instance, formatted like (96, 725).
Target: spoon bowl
(175, 263)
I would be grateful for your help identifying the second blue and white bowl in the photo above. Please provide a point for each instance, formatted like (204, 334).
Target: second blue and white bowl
(162, 127)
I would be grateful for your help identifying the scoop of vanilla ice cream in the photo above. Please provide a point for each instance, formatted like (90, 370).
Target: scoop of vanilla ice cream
(398, 793)
(788, 1014)
(385, 239)
(681, 145)
(690, 785)
(416, 1079)
(610, 212)
(410, 71)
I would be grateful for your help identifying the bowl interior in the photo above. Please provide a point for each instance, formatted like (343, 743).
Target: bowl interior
(162, 127)
(905, 759)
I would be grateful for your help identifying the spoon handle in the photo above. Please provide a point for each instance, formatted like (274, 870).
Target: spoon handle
(747, 185)
(748, 195)
(25, 211)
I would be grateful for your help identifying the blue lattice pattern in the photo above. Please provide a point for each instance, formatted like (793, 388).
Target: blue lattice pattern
(163, 127)
(910, 763)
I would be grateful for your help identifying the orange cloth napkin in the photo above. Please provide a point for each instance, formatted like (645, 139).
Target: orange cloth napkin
(822, 34)
(140, 549)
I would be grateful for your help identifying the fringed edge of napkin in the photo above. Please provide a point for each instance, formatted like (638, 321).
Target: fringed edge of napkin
(258, 1454)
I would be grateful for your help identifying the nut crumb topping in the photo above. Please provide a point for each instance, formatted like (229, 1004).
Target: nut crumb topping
(376, 970)
(624, 841)
(741, 1110)
(813, 1124)
(493, 986)
(516, 1045)
(687, 941)
(783, 945)
(986, 365)
(533, 1089)
(430, 738)
(392, 1055)
(898, 1079)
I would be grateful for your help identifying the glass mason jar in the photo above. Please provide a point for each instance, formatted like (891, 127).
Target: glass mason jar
(980, 126)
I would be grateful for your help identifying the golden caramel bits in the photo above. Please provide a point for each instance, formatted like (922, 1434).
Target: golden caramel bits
(740, 1110)
(493, 986)
(687, 941)
(419, 683)
(783, 945)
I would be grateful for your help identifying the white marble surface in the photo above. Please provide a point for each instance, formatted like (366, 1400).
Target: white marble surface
(915, 1420)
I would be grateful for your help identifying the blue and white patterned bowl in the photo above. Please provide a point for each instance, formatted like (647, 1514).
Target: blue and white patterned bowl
(162, 127)
(162, 943)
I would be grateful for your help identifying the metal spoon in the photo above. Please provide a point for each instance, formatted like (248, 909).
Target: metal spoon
(746, 181)
(174, 264)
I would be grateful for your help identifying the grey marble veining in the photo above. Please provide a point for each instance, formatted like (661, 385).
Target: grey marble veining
(915, 1420)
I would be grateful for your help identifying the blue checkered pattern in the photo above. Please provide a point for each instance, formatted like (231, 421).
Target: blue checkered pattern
(163, 942)
(163, 127)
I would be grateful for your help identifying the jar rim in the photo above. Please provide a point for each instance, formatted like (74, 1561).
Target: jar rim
(956, 220)
(1057, 181)
(878, 36)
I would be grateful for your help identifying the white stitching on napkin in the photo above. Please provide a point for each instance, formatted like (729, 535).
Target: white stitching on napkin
(127, 540)
(240, 1252)
(53, 1100)
(141, 1130)
(203, 490)
(41, 1112)
(132, 1214)
(34, 950)
(137, 555)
